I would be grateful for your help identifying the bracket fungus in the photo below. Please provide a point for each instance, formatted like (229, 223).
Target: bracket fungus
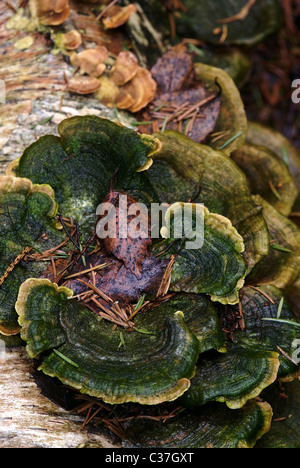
(214, 426)
(27, 214)
(127, 86)
(150, 368)
(153, 321)
(50, 12)
(90, 61)
(83, 84)
(125, 68)
(71, 40)
(116, 16)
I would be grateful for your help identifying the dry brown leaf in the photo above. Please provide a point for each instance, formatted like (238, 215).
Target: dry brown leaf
(131, 241)
(183, 103)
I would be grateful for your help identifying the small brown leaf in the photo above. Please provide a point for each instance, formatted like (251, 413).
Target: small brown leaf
(182, 103)
(173, 70)
(128, 234)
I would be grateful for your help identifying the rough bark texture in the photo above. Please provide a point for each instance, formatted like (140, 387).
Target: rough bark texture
(28, 419)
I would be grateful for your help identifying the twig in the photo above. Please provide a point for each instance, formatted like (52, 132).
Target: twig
(106, 9)
(239, 16)
(67, 232)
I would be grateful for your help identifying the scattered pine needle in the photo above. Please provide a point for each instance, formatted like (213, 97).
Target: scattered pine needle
(231, 140)
(287, 356)
(14, 264)
(280, 248)
(166, 280)
(263, 293)
(85, 272)
(65, 358)
(280, 307)
(288, 322)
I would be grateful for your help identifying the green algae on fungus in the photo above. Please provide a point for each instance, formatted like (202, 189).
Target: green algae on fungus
(209, 326)
(149, 369)
(215, 267)
(212, 426)
(81, 162)
(27, 214)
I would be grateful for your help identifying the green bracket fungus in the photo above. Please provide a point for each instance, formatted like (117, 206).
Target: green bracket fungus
(260, 353)
(232, 121)
(183, 169)
(281, 267)
(80, 163)
(284, 432)
(147, 371)
(216, 267)
(207, 326)
(27, 214)
(267, 176)
(213, 426)
(261, 135)
(233, 378)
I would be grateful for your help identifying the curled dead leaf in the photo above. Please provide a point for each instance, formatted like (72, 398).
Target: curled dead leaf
(90, 61)
(83, 84)
(142, 89)
(50, 12)
(125, 69)
(117, 16)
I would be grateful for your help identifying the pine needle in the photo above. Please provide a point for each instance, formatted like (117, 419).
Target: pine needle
(65, 358)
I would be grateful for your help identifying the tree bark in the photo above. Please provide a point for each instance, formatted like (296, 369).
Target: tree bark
(28, 419)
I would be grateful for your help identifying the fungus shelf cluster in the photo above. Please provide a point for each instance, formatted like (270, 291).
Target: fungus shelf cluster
(73, 297)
